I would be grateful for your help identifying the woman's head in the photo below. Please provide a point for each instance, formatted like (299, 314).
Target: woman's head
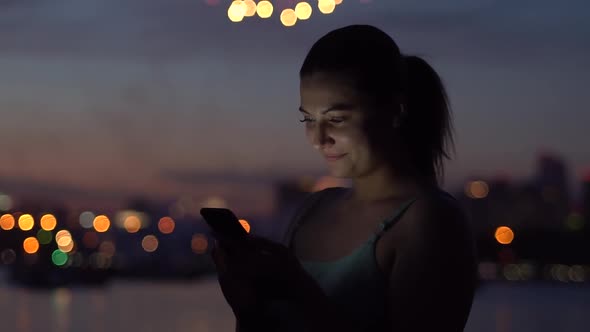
(363, 99)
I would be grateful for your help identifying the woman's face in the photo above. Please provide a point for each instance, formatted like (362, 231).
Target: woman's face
(334, 125)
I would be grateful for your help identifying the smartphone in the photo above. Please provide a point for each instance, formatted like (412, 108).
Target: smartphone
(224, 221)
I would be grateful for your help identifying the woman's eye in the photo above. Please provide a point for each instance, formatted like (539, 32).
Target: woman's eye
(336, 120)
(305, 119)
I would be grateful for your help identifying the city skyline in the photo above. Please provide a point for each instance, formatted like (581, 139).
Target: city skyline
(129, 95)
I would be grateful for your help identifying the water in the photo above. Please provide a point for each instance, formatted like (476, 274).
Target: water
(199, 306)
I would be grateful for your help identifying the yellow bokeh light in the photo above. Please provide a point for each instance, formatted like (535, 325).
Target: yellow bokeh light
(26, 222)
(48, 222)
(326, 6)
(288, 17)
(504, 235)
(166, 225)
(31, 245)
(237, 10)
(149, 243)
(199, 243)
(303, 10)
(132, 224)
(101, 223)
(245, 224)
(250, 8)
(264, 9)
(7, 222)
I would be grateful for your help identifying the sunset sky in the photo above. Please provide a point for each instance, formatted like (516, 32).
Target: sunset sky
(168, 97)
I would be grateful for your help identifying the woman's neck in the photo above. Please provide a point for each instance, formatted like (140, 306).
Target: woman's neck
(385, 185)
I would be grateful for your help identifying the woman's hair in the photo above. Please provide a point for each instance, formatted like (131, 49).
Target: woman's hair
(369, 59)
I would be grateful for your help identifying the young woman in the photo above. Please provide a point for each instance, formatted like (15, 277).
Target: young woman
(392, 253)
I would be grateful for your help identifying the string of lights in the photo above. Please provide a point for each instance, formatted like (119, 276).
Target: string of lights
(239, 10)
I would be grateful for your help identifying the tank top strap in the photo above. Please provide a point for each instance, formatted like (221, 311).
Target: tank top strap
(394, 218)
(310, 201)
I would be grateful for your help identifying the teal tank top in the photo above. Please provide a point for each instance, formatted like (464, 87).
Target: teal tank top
(353, 283)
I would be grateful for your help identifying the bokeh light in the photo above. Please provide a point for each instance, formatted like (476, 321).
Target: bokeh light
(44, 236)
(59, 257)
(26, 222)
(101, 223)
(132, 224)
(5, 202)
(48, 222)
(8, 256)
(87, 219)
(7, 222)
(303, 10)
(237, 11)
(476, 189)
(107, 248)
(90, 240)
(250, 8)
(31, 245)
(504, 235)
(214, 202)
(199, 243)
(326, 6)
(245, 224)
(149, 243)
(337, 2)
(64, 240)
(288, 17)
(264, 9)
(166, 225)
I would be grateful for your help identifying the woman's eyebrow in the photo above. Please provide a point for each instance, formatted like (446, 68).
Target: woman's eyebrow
(335, 107)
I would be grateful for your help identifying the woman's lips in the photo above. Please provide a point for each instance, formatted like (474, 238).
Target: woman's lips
(333, 157)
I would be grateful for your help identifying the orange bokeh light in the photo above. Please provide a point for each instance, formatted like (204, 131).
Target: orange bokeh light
(245, 224)
(48, 222)
(504, 235)
(166, 225)
(149, 243)
(101, 223)
(7, 222)
(132, 224)
(31, 245)
(199, 243)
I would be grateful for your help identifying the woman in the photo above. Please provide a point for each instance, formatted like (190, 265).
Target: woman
(393, 252)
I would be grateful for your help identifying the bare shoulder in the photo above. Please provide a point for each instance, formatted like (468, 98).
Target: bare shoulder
(436, 221)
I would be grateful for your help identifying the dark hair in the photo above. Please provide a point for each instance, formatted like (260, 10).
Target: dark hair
(372, 61)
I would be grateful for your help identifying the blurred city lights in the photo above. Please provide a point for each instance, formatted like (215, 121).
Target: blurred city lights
(237, 11)
(149, 243)
(132, 224)
(326, 6)
(59, 257)
(101, 223)
(166, 225)
(476, 189)
(288, 17)
(504, 235)
(31, 245)
(338, 2)
(26, 222)
(245, 224)
(303, 10)
(48, 222)
(250, 8)
(214, 202)
(90, 240)
(44, 236)
(107, 248)
(87, 219)
(64, 240)
(8, 256)
(199, 243)
(264, 9)
(5, 202)
(7, 222)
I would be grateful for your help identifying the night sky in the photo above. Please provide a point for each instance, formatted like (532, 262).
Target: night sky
(169, 98)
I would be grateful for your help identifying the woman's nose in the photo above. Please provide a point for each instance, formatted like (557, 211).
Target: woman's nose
(319, 136)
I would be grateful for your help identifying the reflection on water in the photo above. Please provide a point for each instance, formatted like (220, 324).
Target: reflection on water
(199, 306)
